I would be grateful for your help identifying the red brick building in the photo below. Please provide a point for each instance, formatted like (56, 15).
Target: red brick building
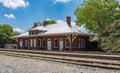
(59, 36)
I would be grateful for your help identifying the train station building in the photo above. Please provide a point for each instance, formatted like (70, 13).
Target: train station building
(61, 36)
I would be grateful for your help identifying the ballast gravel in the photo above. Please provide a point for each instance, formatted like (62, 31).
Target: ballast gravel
(10, 64)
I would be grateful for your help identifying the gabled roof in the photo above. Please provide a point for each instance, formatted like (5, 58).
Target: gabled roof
(60, 27)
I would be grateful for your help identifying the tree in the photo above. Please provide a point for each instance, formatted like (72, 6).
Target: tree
(96, 15)
(17, 33)
(50, 21)
(111, 42)
(6, 32)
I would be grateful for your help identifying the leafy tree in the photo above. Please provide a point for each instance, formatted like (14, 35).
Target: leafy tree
(17, 33)
(6, 32)
(111, 42)
(96, 15)
(50, 21)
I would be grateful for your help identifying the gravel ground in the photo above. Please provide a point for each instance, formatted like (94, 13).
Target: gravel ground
(9, 64)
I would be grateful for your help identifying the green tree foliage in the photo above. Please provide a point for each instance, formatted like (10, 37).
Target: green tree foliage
(50, 22)
(6, 32)
(16, 33)
(97, 15)
(111, 42)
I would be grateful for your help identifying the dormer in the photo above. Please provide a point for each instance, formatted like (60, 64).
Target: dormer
(34, 32)
(38, 29)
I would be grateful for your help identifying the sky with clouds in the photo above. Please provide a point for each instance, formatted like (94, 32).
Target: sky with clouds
(22, 14)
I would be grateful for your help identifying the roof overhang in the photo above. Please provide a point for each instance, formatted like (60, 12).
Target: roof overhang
(82, 34)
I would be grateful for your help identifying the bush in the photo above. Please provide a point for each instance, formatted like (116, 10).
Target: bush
(93, 46)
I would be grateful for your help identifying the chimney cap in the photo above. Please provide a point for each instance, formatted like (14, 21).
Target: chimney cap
(35, 25)
(45, 23)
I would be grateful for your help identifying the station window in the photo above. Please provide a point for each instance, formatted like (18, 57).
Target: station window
(43, 43)
(67, 43)
(39, 42)
(55, 43)
(81, 43)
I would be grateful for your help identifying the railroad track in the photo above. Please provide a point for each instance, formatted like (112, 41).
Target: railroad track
(93, 60)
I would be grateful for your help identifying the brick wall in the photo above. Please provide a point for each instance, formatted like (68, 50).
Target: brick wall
(74, 46)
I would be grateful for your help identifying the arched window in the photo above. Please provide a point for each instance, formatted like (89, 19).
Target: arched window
(39, 42)
(43, 43)
(55, 43)
(67, 44)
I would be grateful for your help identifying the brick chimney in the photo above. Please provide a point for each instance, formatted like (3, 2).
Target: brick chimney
(35, 25)
(45, 23)
(68, 20)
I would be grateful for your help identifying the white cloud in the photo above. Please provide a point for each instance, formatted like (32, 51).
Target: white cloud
(48, 19)
(61, 1)
(10, 16)
(13, 4)
(18, 30)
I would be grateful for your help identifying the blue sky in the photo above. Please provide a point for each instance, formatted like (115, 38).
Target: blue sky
(22, 14)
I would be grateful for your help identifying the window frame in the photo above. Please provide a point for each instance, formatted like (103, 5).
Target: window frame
(55, 44)
(43, 43)
(39, 42)
(67, 46)
(81, 43)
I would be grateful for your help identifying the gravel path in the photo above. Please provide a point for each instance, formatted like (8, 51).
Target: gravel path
(9, 64)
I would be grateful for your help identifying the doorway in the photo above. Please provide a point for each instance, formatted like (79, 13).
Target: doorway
(49, 44)
(61, 44)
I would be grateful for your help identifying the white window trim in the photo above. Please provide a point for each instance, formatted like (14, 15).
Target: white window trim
(66, 43)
